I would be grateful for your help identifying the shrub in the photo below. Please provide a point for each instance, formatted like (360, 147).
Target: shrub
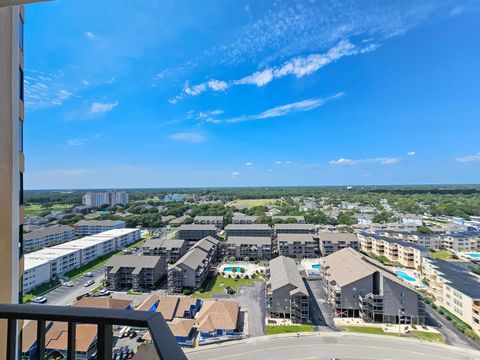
(427, 301)
(441, 312)
(448, 318)
(471, 334)
(246, 277)
(434, 306)
(238, 276)
(187, 292)
(460, 327)
(414, 327)
(202, 290)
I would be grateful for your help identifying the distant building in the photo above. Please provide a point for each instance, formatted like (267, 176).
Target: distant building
(251, 247)
(329, 242)
(294, 229)
(139, 273)
(287, 296)
(194, 232)
(461, 241)
(91, 227)
(209, 220)
(412, 219)
(244, 219)
(41, 238)
(171, 249)
(191, 270)
(258, 230)
(432, 241)
(297, 219)
(357, 286)
(111, 198)
(297, 246)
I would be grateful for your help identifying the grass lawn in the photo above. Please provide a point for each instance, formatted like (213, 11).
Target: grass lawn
(442, 255)
(249, 203)
(282, 329)
(213, 286)
(420, 335)
(35, 209)
(42, 289)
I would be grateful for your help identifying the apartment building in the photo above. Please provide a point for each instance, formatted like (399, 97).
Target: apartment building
(296, 219)
(329, 242)
(139, 273)
(406, 254)
(357, 286)
(41, 238)
(454, 287)
(431, 241)
(191, 270)
(467, 241)
(91, 227)
(297, 246)
(218, 221)
(171, 249)
(251, 247)
(261, 230)
(195, 232)
(244, 219)
(122, 237)
(12, 159)
(294, 229)
(111, 198)
(286, 294)
(412, 219)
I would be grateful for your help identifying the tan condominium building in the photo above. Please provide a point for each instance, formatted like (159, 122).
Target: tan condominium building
(329, 242)
(404, 253)
(11, 157)
(286, 293)
(461, 241)
(41, 238)
(432, 240)
(250, 247)
(357, 286)
(297, 246)
(454, 287)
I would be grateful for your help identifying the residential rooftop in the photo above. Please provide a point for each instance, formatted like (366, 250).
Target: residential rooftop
(284, 271)
(251, 240)
(47, 231)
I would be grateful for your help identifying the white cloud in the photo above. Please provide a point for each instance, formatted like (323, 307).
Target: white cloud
(469, 158)
(278, 163)
(190, 137)
(411, 153)
(75, 142)
(384, 161)
(351, 162)
(85, 82)
(249, 163)
(235, 173)
(217, 85)
(45, 90)
(259, 78)
(100, 108)
(343, 161)
(216, 112)
(90, 35)
(458, 10)
(283, 110)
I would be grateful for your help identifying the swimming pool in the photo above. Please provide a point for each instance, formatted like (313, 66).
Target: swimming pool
(230, 269)
(476, 256)
(405, 276)
(316, 266)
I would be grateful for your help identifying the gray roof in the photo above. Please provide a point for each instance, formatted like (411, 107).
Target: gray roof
(98, 222)
(336, 237)
(290, 238)
(248, 227)
(208, 217)
(239, 216)
(167, 244)
(193, 258)
(138, 262)
(47, 231)
(197, 227)
(459, 277)
(295, 226)
(286, 217)
(283, 271)
(207, 243)
(250, 240)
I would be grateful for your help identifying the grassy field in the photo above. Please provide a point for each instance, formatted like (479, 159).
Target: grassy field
(442, 255)
(36, 209)
(214, 286)
(282, 329)
(249, 203)
(420, 335)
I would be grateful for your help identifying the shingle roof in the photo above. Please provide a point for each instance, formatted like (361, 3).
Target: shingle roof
(336, 237)
(248, 226)
(283, 271)
(167, 244)
(97, 222)
(217, 314)
(103, 303)
(295, 226)
(251, 240)
(181, 327)
(57, 336)
(197, 227)
(193, 258)
(47, 231)
(290, 238)
(133, 261)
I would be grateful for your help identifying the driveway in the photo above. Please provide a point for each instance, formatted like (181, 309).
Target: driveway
(321, 313)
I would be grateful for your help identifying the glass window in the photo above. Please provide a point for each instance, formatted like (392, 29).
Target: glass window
(20, 83)
(20, 33)
(20, 135)
(21, 189)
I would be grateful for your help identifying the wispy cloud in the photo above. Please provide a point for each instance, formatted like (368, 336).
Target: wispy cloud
(235, 173)
(249, 163)
(90, 35)
(352, 162)
(191, 137)
(101, 108)
(469, 158)
(283, 110)
(45, 90)
(411, 153)
(75, 142)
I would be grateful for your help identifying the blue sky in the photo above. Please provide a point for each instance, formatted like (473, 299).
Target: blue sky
(247, 93)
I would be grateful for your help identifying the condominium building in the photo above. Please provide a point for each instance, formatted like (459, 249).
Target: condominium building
(41, 238)
(171, 249)
(357, 286)
(122, 237)
(111, 198)
(293, 219)
(286, 293)
(404, 253)
(195, 232)
(139, 273)
(297, 246)
(191, 270)
(461, 241)
(329, 242)
(294, 229)
(248, 230)
(432, 241)
(11, 157)
(251, 247)
(209, 220)
(91, 227)
(244, 219)
(454, 287)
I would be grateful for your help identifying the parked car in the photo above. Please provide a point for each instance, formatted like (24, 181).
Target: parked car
(88, 274)
(39, 300)
(89, 282)
(68, 284)
(132, 335)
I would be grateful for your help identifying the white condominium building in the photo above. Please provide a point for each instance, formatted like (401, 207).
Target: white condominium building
(111, 197)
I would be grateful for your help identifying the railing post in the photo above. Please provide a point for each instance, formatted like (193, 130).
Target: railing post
(11, 339)
(104, 341)
(41, 332)
(71, 346)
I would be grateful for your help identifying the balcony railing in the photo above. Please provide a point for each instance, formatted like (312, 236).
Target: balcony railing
(105, 319)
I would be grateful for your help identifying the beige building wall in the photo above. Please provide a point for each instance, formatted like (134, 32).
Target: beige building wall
(11, 160)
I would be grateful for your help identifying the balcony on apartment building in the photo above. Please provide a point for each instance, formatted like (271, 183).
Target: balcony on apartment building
(105, 319)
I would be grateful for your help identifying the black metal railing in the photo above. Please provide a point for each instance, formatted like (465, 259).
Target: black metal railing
(163, 339)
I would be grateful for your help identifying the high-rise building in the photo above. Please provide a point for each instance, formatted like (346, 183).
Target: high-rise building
(111, 197)
(11, 157)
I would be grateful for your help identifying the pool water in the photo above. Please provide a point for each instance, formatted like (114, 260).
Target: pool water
(405, 276)
(316, 266)
(476, 256)
(230, 269)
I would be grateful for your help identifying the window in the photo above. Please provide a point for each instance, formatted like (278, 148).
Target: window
(20, 33)
(20, 241)
(21, 189)
(20, 83)
(20, 135)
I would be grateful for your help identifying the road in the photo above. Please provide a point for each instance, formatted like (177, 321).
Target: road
(331, 345)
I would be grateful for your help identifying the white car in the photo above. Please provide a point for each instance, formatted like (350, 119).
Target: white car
(88, 283)
(88, 274)
(39, 300)
(68, 284)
